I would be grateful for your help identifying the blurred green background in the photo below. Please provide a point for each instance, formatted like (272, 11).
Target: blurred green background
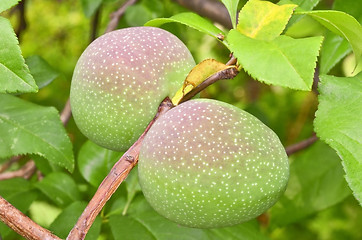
(59, 30)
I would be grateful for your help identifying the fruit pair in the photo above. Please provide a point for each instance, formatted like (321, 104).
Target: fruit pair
(203, 163)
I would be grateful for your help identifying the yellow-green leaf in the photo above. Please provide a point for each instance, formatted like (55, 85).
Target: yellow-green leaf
(191, 20)
(284, 61)
(264, 20)
(197, 75)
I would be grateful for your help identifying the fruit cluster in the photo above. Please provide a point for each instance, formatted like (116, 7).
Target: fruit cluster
(203, 163)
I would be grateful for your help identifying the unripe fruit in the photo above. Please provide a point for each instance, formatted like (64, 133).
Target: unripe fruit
(120, 80)
(208, 164)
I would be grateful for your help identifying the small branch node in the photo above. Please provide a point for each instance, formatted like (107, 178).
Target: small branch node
(130, 159)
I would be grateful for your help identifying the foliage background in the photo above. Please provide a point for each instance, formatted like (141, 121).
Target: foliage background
(59, 31)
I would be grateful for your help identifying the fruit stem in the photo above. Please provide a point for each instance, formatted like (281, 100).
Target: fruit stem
(224, 74)
(111, 182)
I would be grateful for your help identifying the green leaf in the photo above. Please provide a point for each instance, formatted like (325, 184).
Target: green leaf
(42, 72)
(93, 162)
(137, 15)
(60, 188)
(44, 166)
(305, 5)
(7, 4)
(342, 24)
(11, 187)
(338, 123)
(150, 225)
(264, 20)
(144, 223)
(283, 61)
(117, 203)
(124, 196)
(90, 6)
(67, 219)
(316, 182)
(244, 231)
(351, 7)
(333, 50)
(132, 187)
(14, 73)
(232, 7)
(43, 213)
(26, 128)
(192, 20)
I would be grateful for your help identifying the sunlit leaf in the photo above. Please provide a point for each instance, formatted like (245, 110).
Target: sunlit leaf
(339, 123)
(192, 20)
(43, 213)
(6, 4)
(60, 188)
(264, 20)
(342, 24)
(26, 128)
(232, 7)
(283, 61)
(316, 182)
(14, 73)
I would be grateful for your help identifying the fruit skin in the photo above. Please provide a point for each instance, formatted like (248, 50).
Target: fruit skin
(121, 78)
(208, 164)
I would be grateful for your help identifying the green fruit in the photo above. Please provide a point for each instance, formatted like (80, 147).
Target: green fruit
(208, 164)
(120, 80)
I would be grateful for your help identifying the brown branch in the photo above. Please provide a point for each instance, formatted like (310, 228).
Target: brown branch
(301, 145)
(22, 224)
(22, 21)
(315, 80)
(66, 113)
(8, 164)
(25, 171)
(232, 60)
(112, 181)
(225, 74)
(115, 16)
(212, 9)
(94, 25)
